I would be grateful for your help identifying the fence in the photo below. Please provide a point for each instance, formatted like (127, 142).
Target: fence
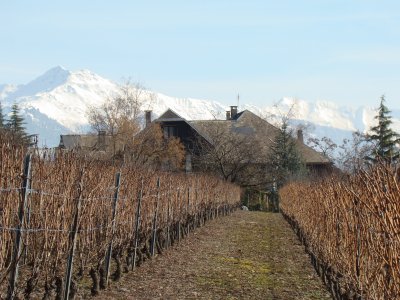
(351, 228)
(68, 218)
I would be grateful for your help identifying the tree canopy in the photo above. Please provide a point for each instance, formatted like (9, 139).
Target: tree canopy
(284, 159)
(14, 127)
(230, 155)
(149, 148)
(385, 140)
(118, 116)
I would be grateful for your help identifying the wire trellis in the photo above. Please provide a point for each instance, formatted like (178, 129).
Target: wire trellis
(353, 227)
(66, 210)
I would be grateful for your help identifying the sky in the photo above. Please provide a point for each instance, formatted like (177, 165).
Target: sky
(344, 51)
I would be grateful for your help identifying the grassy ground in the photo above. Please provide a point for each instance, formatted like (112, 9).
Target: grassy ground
(249, 255)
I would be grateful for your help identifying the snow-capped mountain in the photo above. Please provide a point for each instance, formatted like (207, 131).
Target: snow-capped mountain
(324, 118)
(56, 103)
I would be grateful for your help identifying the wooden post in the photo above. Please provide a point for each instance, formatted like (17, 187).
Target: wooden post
(188, 209)
(72, 239)
(225, 205)
(154, 234)
(137, 225)
(114, 210)
(358, 242)
(13, 279)
(195, 203)
(28, 214)
(169, 217)
(179, 222)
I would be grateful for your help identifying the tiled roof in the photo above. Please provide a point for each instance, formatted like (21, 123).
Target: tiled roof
(256, 129)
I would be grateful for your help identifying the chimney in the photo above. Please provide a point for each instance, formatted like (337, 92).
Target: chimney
(233, 112)
(228, 114)
(148, 117)
(300, 136)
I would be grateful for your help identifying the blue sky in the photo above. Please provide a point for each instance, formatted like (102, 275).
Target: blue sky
(343, 51)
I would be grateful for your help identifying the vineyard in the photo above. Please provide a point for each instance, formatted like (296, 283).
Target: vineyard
(66, 220)
(351, 229)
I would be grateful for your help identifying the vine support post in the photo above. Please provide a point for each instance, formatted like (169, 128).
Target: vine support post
(114, 212)
(72, 238)
(188, 210)
(179, 222)
(13, 279)
(154, 234)
(137, 225)
(168, 241)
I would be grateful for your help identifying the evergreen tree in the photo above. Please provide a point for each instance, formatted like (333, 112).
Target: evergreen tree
(284, 158)
(384, 138)
(15, 125)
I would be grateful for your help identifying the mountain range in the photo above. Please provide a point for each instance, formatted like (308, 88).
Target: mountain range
(57, 101)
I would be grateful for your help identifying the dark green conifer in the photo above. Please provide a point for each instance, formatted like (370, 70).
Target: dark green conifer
(15, 125)
(385, 139)
(284, 158)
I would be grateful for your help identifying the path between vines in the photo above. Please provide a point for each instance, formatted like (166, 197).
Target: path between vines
(248, 255)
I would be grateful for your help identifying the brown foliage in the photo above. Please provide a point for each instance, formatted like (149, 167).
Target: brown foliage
(118, 116)
(352, 226)
(149, 148)
(52, 201)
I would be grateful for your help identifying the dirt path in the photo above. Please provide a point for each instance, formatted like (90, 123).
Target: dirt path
(249, 255)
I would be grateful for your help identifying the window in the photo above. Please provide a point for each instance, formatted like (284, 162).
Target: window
(169, 131)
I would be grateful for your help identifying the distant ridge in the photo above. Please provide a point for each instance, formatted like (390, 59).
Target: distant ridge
(56, 102)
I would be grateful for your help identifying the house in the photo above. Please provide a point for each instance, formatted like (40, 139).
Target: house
(94, 143)
(87, 142)
(249, 130)
(146, 148)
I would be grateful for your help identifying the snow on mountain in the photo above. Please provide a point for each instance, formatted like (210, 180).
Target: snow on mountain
(65, 96)
(58, 97)
(44, 83)
(324, 118)
(188, 108)
(56, 103)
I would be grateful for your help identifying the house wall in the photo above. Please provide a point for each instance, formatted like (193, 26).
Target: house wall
(183, 131)
(319, 170)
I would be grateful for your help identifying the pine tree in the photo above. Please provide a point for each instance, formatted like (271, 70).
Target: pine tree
(15, 125)
(284, 158)
(384, 138)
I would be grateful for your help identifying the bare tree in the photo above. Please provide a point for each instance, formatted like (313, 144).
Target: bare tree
(119, 115)
(234, 156)
(239, 155)
(126, 105)
(281, 114)
(353, 152)
(325, 145)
